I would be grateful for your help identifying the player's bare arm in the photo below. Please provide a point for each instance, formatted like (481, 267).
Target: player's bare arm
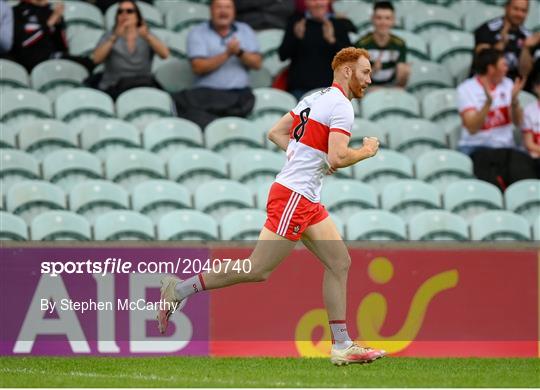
(280, 132)
(340, 155)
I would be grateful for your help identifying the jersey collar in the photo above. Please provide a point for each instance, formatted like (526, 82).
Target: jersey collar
(336, 85)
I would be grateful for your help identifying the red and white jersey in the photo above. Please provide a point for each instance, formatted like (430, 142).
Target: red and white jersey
(531, 122)
(497, 131)
(315, 117)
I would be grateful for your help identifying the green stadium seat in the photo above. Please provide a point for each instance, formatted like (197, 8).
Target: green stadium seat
(442, 167)
(340, 225)
(69, 167)
(41, 137)
(272, 101)
(80, 13)
(95, 197)
(261, 78)
(523, 198)
(454, 49)
(375, 225)
(365, 128)
(361, 11)
(269, 41)
(438, 225)
(84, 41)
(343, 197)
(16, 166)
(500, 225)
(470, 197)
(141, 106)
(32, 197)
(175, 75)
(123, 225)
(54, 77)
(533, 18)
(129, 167)
(167, 136)
(219, 197)
(255, 167)
(426, 77)
(187, 225)
(408, 197)
(389, 103)
(12, 227)
(155, 198)
(105, 137)
(186, 15)
(12, 75)
(7, 137)
(413, 137)
(20, 105)
(261, 195)
(536, 229)
(243, 224)
(151, 15)
(274, 64)
(192, 167)
(384, 167)
(440, 106)
(477, 13)
(429, 19)
(526, 98)
(263, 125)
(81, 104)
(417, 47)
(60, 225)
(229, 135)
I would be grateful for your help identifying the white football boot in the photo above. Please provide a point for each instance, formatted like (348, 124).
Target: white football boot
(168, 284)
(355, 354)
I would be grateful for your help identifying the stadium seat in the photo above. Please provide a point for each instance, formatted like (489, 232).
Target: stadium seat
(12, 227)
(500, 225)
(429, 19)
(83, 42)
(375, 225)
(186, 15)
(105, 137)
(536, 229)
(243, 224)
(16, 166)
(80, 104)
(478, 14)
(254, 167)
(526, 98)
(261, 78)
(12, 75)
(19, 105)
(365, 128)
(60, 225)
(343, 197)
(53, 77)
(471, 197)
(274, 64)
(533, 18)
(261, 195)
(151, 15)
(41, 137)
(155, 198)
(443, 166)
(269, 41)
(413, 137)
(384, 167)
(175, 75)
(440, 106)
(187, 225)
(360, 12)
(123, 225)
(170, 135)
(80, 13)
(229, 135)
(141, 106)
(454, 49)
(192, 167)
(129, 167)
(272, 101)
(417, 47)
(219, 197)
(263, 125)
(95, 197)
(437, 225)
(340, 225)
(32, 197)
(408, 197)
(389, 103)
(7, 136)
(523, 198)
(69, 167)
(426, 77)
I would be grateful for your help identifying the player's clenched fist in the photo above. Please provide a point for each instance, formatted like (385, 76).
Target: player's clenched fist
(371, 145)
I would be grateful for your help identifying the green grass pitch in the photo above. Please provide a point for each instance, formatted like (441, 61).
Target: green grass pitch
(264, 372)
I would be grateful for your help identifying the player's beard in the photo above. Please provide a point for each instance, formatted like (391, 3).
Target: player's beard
(356, 88)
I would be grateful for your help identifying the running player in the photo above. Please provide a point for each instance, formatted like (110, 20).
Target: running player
(315, 135)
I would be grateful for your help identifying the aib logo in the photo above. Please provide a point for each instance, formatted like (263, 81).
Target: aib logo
(372, 312)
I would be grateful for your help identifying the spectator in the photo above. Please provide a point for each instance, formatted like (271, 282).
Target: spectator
(311, 41)
(6, 27)
(531, 126)
(39, 34)
(532, 43)
(508, 34)
(388, 52)
(264, 14)
(221, 53)
(127, 52)
(488, 105)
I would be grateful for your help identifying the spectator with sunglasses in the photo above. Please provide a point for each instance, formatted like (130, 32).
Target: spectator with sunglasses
(127, 52)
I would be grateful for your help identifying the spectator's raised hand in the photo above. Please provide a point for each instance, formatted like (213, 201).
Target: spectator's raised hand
(120, 29)
(57, 14)
(233, 46)
(328, 31)
(143, 31)
(489, 99)
(518, 86)
(532, 40)
(300, 29)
